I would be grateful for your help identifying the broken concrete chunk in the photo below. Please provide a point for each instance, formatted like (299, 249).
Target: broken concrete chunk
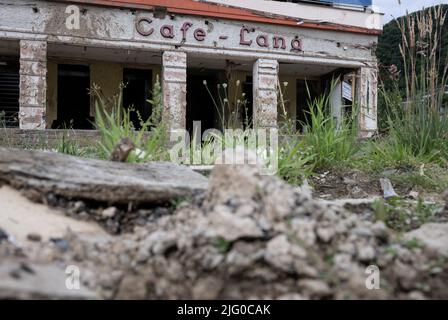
(24, 220)
(111, 182)
(109, 212)
(433, 236)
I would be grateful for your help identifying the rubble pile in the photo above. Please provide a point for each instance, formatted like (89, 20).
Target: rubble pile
(250, 236)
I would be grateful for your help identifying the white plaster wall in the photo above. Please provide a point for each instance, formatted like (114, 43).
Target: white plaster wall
(371, 19)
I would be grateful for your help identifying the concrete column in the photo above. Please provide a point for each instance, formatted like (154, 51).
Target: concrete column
(367, 100)
(336, 102)
(265, 79)
(33, 84)
(174, 84)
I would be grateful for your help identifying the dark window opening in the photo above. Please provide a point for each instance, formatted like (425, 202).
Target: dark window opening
(73, 109)
(307, 92)
(9, 93)
(200, 105)
(137, 92)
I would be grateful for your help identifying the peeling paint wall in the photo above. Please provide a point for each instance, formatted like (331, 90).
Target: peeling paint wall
(222, 38)
(265, 80)
(366, 96)
(174, 79)
(33, 84)
(108, 76)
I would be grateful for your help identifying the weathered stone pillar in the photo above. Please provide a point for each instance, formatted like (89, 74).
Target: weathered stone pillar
(265, 79)
(336, 102)
(33, 84)
(174, 83)
(367, 100)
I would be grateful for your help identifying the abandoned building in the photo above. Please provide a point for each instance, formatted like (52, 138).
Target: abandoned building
(52, 52)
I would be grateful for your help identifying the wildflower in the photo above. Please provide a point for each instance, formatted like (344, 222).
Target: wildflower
(224, 85)
(237, 83)
(285, 84)
(204, 82)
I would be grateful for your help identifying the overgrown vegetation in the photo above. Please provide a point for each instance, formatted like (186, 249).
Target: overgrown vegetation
(404, 215)
(413, 110)
(113, 121)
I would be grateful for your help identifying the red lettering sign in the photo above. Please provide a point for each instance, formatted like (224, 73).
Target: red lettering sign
(262, 40)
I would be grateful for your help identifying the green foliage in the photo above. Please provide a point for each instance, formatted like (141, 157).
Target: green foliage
(223, 245)
(326, 142)
(331, 143)
(413, 244)
(388, 50)
(412, 107)
(426, 177)
(295, 161)
(403, 215)
(114, 123)
(4, 136)
(69, 146)
(380, 154)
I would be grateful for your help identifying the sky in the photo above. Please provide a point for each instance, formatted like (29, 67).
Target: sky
(391, 8)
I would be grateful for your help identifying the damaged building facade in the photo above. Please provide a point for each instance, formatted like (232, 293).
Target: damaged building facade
(53, 52)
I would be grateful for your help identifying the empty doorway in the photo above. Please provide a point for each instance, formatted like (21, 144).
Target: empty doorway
(73, 109)
(137, 92)
(200, 105)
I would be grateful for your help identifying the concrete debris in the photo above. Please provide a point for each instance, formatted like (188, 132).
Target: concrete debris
(21, 218)
(45, 173)
(388, 189)
(37, 281)
(434, 236)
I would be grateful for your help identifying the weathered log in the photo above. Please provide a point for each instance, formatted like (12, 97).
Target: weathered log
(97, 180)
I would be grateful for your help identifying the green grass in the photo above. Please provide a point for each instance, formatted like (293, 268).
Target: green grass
(403, 215)
(70, 146)
(330, 142)
(114, 123)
